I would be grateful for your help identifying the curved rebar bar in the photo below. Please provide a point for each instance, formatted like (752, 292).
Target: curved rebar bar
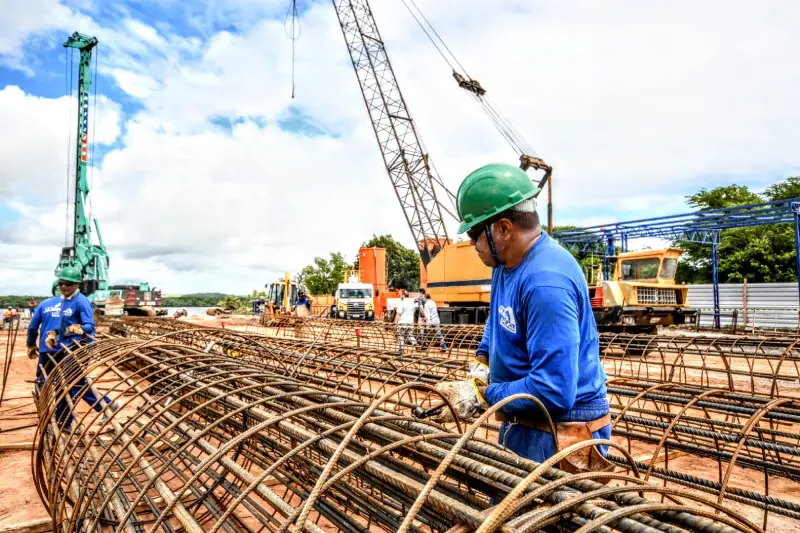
(767, 365)
(205, 442)
(660, 423)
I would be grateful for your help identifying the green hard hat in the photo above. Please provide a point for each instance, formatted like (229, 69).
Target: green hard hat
(55, 286)
(70, 273)
(490, 190)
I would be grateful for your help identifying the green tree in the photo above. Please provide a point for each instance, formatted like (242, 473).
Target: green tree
(402, 263)
(229, 303)
(727, 196)
(785, 190)
(323, 275)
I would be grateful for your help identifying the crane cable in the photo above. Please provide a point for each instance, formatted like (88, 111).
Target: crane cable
(68, 59)
(89, 195)
(293, 31)
(503, 125)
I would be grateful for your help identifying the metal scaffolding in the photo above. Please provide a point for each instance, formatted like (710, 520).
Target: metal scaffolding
(701, 227)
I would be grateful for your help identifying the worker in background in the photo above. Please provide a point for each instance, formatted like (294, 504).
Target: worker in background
(46, 318)
(7, 316)
(75, 328)
(31, 307)
(431, 315)
(540, 337)
(303, 307)
(419, 312)
(404, 318)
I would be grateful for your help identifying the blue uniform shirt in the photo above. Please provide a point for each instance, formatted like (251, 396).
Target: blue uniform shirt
(77, 309)
(541, 337)
(47, 317)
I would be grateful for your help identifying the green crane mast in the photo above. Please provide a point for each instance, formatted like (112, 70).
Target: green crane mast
(91, 259)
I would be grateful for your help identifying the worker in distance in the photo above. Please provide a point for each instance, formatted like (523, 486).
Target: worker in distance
(540, 337)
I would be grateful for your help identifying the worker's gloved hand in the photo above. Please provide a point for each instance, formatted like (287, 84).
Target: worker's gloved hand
(479, 371)
(75, 329)
(465, 398)
(33, 352)
(51, 339)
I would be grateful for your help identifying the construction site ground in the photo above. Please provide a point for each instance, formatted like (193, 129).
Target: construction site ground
(21, 509)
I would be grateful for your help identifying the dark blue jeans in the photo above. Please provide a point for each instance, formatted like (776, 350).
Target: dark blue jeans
(62, 409)
(538, 445)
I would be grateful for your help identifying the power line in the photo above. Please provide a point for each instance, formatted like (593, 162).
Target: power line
(293, 32)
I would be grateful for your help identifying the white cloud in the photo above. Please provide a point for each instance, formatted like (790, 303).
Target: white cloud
(33, 142)
(635, 105)
(24, 21)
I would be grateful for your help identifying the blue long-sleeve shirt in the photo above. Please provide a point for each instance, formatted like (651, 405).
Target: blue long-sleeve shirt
(46, 317)
(77, 309)
(541, 337)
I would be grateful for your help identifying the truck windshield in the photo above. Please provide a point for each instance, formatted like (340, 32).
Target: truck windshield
(355, 293)
(668, 268)
(646, 268)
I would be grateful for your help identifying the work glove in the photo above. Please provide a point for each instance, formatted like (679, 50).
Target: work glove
(465, 399)
(51, 339)
(479, 371)
(33, 352)
(75, 329)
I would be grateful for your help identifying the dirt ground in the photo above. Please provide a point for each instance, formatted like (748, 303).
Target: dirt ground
(19, 501)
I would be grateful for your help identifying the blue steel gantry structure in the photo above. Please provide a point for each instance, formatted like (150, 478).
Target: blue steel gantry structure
(702, 227)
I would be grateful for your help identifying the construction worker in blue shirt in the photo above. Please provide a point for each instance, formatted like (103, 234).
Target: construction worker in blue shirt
(75, 324)
(540, 338)
(46, 318)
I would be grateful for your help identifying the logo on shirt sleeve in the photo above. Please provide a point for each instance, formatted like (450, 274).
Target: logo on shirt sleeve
(507, 319)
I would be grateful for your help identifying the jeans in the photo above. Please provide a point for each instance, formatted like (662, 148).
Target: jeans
(62, 409)
(538, 445)
(426, 332)
(403, 331)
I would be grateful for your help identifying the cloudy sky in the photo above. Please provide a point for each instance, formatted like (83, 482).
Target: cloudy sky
(209, 176)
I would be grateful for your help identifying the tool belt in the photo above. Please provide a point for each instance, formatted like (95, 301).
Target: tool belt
(567, 434)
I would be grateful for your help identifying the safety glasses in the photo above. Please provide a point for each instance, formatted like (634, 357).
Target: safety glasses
(475, 232)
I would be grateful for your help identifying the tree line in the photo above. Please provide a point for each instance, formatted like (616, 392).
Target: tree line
(200, 299)
(402, 264)
(20, 302)
(762, 254)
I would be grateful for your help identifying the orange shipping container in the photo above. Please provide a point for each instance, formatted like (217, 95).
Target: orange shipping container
(372, 270)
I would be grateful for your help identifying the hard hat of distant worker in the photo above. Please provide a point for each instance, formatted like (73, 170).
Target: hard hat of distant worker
(492, 189)
(70, 274)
